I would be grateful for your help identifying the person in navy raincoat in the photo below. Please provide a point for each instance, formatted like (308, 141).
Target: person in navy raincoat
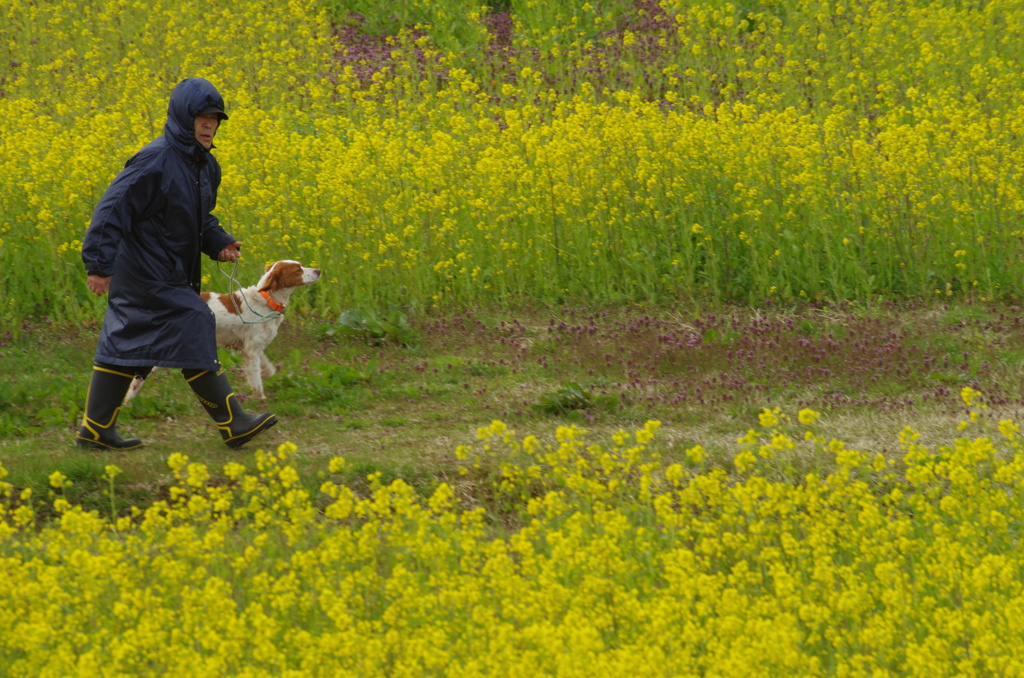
(144, 247)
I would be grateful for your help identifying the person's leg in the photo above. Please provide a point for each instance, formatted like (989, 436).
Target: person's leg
(214, 392)
(107, 388)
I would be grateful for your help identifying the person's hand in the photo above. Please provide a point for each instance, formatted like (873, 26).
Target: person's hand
(98, 284)
(231, 253)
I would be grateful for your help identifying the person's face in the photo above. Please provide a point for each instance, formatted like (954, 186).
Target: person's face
(206, 128)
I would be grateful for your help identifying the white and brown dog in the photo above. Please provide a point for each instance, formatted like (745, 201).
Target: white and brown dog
(248, 320)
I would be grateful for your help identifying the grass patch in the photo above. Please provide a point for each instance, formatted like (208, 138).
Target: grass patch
(402, 410)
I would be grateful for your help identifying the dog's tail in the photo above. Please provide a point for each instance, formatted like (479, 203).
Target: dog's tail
(133, 390)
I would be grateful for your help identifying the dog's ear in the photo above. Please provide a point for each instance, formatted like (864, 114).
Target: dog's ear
(271, 280)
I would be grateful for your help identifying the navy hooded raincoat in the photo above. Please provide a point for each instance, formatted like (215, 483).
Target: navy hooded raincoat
(148, 232)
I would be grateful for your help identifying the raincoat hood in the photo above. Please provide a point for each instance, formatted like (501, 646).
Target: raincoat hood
(190, 98)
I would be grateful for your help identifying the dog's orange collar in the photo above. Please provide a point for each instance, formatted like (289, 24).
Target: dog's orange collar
(273, 303)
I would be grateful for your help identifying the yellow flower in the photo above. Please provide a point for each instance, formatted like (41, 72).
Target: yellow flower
(177, 461)
(969, 395)
(695, 454)
(769, 418)
(233, 470)
(807, 416)
(1009, 429)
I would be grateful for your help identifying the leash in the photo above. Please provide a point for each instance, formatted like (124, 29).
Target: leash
(262, 317)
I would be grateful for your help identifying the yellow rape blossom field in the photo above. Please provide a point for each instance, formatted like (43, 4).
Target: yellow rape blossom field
(620, 565)
(783, 149)
(432, 155)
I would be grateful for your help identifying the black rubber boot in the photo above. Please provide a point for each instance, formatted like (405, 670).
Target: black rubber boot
(106, 391)
(236, 426)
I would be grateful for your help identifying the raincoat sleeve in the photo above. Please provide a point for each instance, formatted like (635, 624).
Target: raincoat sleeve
(215, 238)
(133, 193)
